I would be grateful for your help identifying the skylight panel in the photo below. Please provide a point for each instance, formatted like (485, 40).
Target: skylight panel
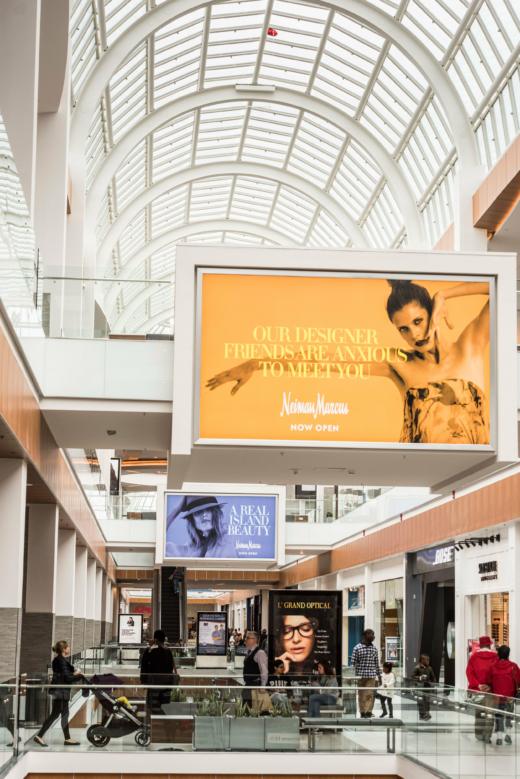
(104, 220)
(172, 147)
(169, 210)
(133, 236)
(83, 40)
(209, 199)
(120, 14)
(131, 176)
(327, 233)
(95, 149)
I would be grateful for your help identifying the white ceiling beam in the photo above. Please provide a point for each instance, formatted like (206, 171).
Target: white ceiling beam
(393, 173)
(143, 296)
(254, 170)
(156, 319)
(362, 12)
(185, 231)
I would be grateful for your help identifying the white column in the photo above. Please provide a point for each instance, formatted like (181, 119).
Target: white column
(467, 237)
(265, 608)
(66, 573)
(13, 486)
(462, 623)
(91, 588)
(74, 292)
(19, 65)
(66, 585)
(40, 590)
(514, 577)
(99, 590)
(50, 222)
(369, 600)
(42, 554)
(80, 599)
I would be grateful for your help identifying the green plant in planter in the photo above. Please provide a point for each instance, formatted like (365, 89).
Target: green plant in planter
(226, 696)
(241, 707)
(178, 695)
(276, 711)
(203, 709)
(287, 709)
(256, 711)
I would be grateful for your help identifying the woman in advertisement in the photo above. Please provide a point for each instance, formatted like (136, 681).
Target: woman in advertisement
(296, 643)
(206, 528)
(441, 382)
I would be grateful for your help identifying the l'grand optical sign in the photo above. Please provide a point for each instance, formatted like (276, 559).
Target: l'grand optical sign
(342, 358)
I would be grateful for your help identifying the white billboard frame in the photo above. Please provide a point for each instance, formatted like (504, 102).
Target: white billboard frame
(190, 460)
(276, 491)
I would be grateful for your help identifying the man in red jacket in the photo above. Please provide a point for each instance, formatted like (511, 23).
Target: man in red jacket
(504, 679)
(477, 672)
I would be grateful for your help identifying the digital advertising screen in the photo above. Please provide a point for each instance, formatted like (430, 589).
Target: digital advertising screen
(316, 357)
(227, 527)
(212, 633)
(130, 628)
(305, 628)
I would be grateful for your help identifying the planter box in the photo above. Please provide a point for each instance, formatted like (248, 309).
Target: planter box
(180, 709)
(211, 733)
(247, 734)
(282, 733)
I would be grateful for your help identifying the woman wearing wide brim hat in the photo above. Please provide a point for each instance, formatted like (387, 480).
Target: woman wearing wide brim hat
(205, 525)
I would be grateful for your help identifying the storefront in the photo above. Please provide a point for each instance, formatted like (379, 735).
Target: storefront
(430, 611)
(485, 593)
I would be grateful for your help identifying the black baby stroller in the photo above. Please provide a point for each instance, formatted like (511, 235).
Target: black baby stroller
(119, 720)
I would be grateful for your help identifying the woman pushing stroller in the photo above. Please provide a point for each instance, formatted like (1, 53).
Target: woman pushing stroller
(63, 674)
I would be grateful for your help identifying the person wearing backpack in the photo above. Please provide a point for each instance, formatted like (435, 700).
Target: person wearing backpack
(504, 679)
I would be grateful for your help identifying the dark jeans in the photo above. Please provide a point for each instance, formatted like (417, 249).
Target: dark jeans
(423, 704)
(499, 718)
(384, 700)
(59, 708)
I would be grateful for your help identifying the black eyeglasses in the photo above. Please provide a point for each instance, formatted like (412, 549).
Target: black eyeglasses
(305, 630)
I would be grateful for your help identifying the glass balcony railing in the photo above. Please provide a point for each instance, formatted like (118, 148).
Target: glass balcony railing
(447, 731)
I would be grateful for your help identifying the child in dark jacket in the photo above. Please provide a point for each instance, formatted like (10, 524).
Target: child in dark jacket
(504, 679)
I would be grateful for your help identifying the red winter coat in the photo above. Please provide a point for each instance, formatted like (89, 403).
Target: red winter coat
(478, 667)
(500, 677)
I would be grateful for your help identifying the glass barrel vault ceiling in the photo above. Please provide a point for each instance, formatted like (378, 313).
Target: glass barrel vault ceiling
(270, 158)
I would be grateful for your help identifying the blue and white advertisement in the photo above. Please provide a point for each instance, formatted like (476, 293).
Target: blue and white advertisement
(212, 633)
(227, 527)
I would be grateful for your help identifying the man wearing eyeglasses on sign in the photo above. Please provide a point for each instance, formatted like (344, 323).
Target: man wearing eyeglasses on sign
(255, 665)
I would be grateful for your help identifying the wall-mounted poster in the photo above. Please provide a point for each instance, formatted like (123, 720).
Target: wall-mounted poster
(212, 633)
(130, 629)
(305, 627)
(227, 527)
(322, 357)
(392, 649)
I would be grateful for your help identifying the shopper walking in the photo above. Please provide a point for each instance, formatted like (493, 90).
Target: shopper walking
(62, 673)
(255, 666)
(477, 673)
(329, 692)
(386, 691)
(157, 668)
(423, 673)
(504, 679)
(365, 659)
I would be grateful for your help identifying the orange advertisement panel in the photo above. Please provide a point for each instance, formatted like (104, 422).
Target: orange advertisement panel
(339, 359)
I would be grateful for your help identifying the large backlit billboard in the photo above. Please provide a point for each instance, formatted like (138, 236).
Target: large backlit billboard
(305, 357)
(220, 526)
(305, 628)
